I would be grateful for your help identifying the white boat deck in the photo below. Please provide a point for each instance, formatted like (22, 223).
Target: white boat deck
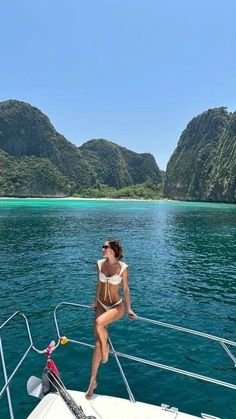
(102, 407)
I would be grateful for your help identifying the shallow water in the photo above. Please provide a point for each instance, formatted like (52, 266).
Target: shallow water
(181, 259)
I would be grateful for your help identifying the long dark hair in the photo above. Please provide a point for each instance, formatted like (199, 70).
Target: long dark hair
(116, 246)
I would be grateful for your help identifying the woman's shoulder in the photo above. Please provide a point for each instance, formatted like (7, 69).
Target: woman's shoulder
(99, 262)
(123, 266)
(123, 263)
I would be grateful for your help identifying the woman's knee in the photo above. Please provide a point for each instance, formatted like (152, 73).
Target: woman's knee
(98, 343)
(99, 324)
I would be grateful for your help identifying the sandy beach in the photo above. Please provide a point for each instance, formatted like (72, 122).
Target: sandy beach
(89, 199)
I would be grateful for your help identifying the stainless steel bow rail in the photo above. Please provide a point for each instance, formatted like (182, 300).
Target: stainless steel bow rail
(223, 342)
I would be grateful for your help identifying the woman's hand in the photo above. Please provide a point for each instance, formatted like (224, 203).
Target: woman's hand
(94, 306)
(132, 314)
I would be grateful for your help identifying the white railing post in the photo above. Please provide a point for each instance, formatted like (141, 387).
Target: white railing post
(6, 379)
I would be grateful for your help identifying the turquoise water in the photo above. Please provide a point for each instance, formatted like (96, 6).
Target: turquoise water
(181, 259)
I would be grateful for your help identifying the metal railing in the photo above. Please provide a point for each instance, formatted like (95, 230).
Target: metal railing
(223, 342)
(6, 378)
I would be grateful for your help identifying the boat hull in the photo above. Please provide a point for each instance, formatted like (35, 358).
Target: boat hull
(102, 407)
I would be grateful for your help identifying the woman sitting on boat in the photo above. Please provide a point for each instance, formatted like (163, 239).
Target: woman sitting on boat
(108, 304)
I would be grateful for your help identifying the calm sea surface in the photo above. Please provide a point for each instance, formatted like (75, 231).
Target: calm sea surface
(182, 260)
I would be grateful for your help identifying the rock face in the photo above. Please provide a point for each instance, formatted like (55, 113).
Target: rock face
(26, 132)
(35, 160)
(30, 176)
(118, 167)
(203, 165)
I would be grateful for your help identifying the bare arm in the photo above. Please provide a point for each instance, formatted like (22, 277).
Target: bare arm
(126, 290)
(94, 305)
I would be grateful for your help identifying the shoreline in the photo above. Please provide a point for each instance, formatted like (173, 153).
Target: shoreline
(89, 199)
(121, 199)
(73, 198)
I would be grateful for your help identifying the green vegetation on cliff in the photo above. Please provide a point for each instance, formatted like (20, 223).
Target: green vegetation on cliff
(147, 190)
(203, 165)
(30, 176)
(36, 160)
(26, 131)
(119, 167)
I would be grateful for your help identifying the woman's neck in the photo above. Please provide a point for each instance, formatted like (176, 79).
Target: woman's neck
(112, 261)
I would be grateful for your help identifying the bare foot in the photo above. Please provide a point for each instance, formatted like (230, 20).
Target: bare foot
(91, 387)
(105, 355)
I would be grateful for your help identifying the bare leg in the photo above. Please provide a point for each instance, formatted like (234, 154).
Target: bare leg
(103, 335)
(102, 322)
(97, 357)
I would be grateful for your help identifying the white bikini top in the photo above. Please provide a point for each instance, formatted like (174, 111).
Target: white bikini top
(114, 279)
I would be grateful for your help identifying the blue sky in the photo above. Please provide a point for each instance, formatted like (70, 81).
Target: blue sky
(131, 71)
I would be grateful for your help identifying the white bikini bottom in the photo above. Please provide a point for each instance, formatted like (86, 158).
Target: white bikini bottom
(108, 307)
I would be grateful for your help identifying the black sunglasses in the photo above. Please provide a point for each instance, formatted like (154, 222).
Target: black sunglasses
(105, 246)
